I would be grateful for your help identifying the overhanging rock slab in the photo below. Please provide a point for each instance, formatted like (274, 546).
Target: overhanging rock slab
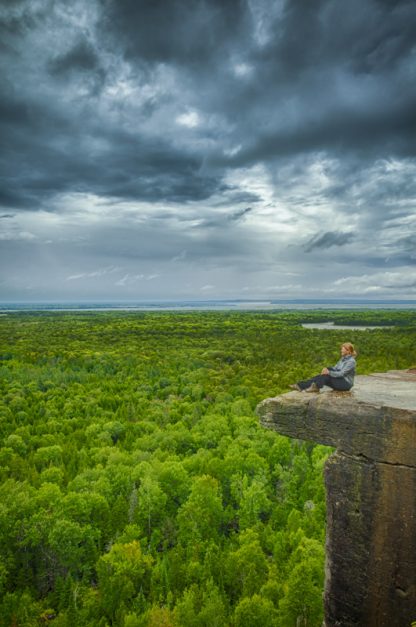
(371, 493)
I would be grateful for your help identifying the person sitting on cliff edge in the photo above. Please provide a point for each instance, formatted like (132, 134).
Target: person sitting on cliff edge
(339, 377)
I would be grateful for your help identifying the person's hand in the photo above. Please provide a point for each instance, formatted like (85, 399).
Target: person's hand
(325, 371)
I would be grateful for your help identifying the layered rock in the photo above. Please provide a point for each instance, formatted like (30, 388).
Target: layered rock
(371, 493)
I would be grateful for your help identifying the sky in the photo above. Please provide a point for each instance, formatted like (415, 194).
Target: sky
(207, 149)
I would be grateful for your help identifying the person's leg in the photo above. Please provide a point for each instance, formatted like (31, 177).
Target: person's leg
(338, 383)
(320, 380)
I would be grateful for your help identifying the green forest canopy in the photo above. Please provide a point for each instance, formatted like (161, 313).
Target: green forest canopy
(137, 487)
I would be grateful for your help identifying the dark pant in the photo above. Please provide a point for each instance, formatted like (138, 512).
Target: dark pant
(336, 383)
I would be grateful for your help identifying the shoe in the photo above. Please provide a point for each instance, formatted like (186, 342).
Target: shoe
(312, 388)
(295, 386)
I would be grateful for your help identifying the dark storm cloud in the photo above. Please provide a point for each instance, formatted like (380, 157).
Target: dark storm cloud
(328, 239)
(40, 165)
(240, 214)
(328, 82)
(222, 128)
(138, 168)
(12, 25)
(224, 220)
(18, 18)
(319, 80)
(13, 112)
(55, 148)
(366, 36)
(389, 131)
(176, 31)
(80, 58)
(119, 177)
(35, 156)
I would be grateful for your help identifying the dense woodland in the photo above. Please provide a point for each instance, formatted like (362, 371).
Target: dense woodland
(137, 486)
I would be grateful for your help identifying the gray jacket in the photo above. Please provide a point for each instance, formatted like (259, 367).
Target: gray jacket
(344, 368)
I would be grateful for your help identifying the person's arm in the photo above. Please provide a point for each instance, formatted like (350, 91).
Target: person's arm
(342, 368)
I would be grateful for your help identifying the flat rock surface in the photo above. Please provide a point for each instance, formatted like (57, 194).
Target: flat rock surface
(395, 389)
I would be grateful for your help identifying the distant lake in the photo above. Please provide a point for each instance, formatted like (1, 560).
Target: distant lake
(212, 305)
(331, 326)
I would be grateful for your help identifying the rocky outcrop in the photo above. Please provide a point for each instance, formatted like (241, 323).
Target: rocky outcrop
(371, 493)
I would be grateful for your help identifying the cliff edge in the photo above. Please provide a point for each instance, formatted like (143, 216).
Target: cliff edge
(370, 492)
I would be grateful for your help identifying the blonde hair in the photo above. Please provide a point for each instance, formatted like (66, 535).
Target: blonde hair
(350, 348)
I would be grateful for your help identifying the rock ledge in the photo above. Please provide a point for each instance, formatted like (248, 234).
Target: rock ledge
(371, 493)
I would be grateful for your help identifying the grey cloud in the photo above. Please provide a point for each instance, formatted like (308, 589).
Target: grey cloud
(17, 199)
(238, 197)
(403, 251)
(124, 166)
(176, 31)
(240, 214)
(328, 32)
(371, 132)
(310, 98)
(328, 239)
(403, 285)
(80, 58)
(312, 38)
(13, 23)
(14, 111)
(408, 243)
(309, 92)
(290, 104)
(151, 241)
(374, 258)
(223, 220)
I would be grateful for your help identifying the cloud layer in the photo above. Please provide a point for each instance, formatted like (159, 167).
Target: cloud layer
(250, 148)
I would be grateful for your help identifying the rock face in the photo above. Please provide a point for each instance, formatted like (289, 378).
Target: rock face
(370, 492)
